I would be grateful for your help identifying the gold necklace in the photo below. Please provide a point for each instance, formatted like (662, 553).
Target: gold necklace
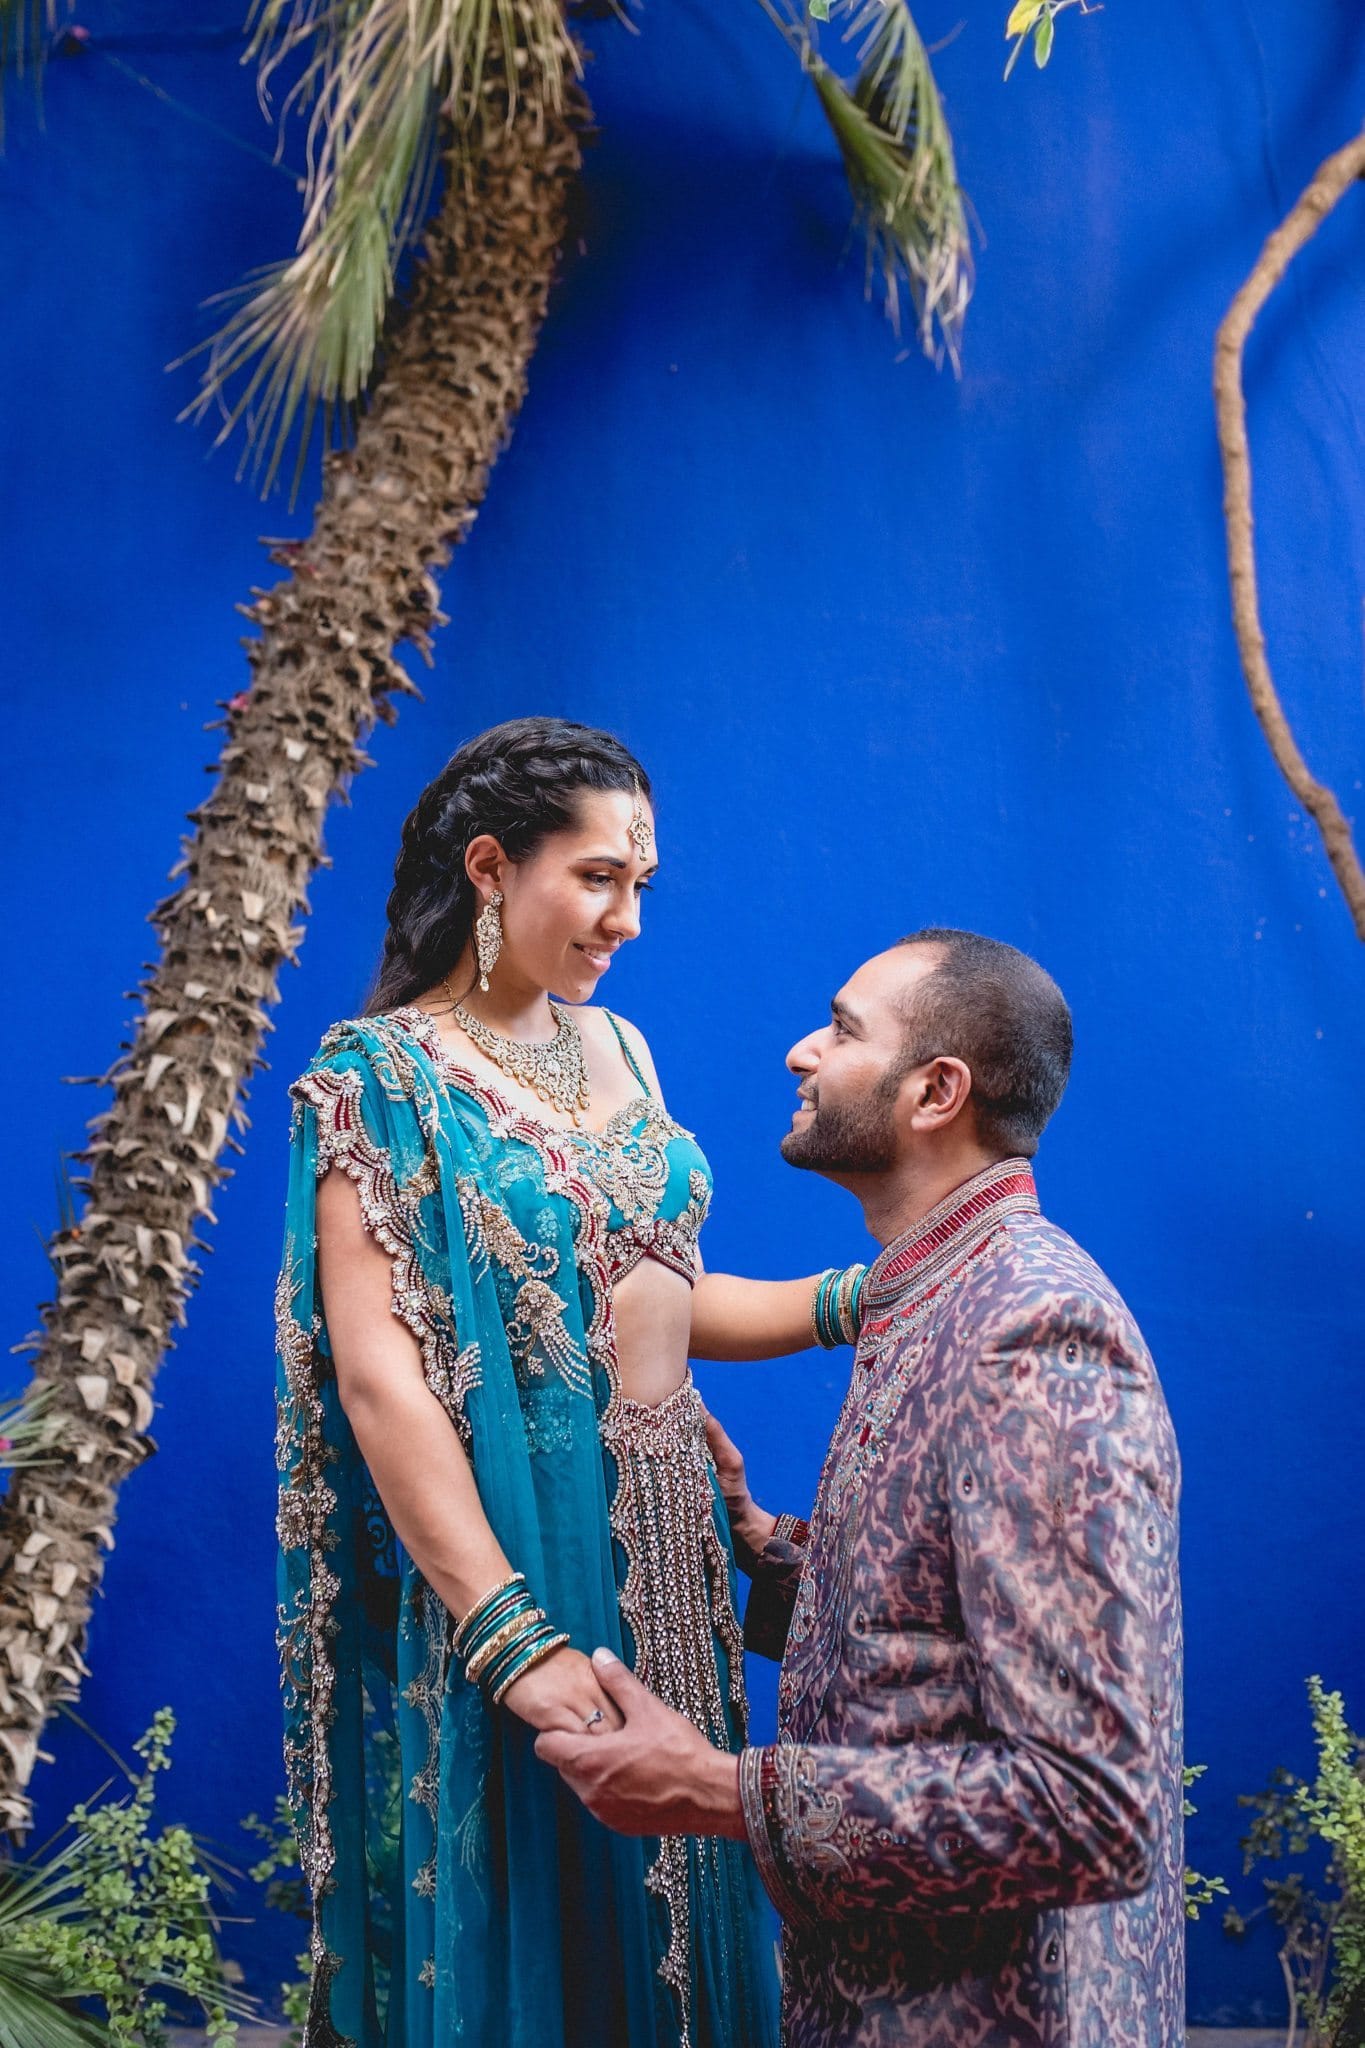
(554, 1069)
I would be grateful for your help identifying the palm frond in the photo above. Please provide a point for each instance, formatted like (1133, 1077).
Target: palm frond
(894, 138)
(32, 2015)
(29, 1430)
(898, 159)
(377, 77)
(26, 28)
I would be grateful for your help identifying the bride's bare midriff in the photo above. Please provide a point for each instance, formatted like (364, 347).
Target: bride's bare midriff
(653, 1306)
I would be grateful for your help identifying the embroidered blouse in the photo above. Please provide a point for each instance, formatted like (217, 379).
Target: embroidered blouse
(652, 1175)
(654, 1178)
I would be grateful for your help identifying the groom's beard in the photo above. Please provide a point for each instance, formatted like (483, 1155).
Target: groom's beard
(854, 1137)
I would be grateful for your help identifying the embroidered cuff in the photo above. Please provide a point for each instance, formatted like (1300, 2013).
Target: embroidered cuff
(762, 1773)
(786, 1529)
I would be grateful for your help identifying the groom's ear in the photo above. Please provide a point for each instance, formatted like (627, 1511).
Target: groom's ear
(937, 1093)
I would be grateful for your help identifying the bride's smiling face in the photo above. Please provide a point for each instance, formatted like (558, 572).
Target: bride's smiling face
(569, 906)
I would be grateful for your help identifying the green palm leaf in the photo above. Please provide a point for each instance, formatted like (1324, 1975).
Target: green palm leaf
(26, 28)
(897, 153)
(31, 2016)
(379, 78)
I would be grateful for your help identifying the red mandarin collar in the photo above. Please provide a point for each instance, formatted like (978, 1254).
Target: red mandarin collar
(959, 1224)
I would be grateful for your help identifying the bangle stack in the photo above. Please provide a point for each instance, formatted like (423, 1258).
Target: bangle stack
(836, 1310)
(503, 1636)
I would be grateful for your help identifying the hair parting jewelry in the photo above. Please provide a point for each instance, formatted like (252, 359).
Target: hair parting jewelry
(836, 1306)
(639, 828)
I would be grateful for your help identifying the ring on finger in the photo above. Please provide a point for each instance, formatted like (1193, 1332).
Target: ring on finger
(591, 1720)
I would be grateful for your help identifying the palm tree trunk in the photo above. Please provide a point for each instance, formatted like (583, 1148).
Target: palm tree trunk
(323, 671)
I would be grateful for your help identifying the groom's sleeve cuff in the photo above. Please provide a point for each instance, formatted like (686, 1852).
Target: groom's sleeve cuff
(760, 1777)
(775, 1572)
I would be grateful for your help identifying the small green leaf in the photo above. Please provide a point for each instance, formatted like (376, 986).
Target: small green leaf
(1023, 14)
(1042, 41)
(819, 10)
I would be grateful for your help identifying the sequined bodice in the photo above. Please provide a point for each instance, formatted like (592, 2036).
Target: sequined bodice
(656, 1183)
(652, 1174)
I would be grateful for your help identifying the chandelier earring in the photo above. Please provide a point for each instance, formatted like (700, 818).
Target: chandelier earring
(488, 937)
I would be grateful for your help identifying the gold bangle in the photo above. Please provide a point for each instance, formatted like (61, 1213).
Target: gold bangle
(483, 1600)
(529, 1618)
(850, 1281)
(545, 1650)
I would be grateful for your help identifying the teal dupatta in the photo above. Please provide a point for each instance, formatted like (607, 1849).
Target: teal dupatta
(460, 1894)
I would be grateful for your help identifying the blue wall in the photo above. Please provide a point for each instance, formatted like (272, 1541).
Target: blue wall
(897, 648)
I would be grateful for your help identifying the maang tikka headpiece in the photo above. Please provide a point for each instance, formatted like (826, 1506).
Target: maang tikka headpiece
(640, 829)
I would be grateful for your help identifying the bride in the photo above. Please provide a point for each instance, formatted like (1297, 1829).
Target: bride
(492, 1453)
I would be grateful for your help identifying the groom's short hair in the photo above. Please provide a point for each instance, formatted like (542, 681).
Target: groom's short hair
(991, 1005)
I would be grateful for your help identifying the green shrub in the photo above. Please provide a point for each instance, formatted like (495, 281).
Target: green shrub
(1322, 1931)
(116, 1918)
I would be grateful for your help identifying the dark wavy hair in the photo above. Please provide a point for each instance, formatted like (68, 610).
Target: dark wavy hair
(519, 781)
(992, 1006)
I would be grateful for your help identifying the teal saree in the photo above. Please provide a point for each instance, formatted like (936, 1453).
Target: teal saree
(460, 1894)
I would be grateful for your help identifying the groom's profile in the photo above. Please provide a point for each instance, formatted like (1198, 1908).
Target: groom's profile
(970, 1823)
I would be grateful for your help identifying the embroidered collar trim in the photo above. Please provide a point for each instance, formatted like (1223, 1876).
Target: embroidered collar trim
(951, 1232)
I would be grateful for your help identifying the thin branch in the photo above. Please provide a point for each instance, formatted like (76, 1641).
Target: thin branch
(1329, 186)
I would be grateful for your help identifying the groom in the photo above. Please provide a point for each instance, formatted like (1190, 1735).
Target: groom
(970, 1823)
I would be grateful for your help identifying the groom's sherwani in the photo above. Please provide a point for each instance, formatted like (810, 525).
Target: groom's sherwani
(970, 1823)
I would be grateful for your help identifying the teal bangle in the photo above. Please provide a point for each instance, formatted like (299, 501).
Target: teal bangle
(836, 1312)
(820, 1310)
(536, 1656)
(491, 1653)
(510, 1646)
(478, 1613)
(518, 1601)
(510, 1663)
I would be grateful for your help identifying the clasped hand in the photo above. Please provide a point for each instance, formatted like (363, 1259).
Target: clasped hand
(562, 1691)
(652, 1773)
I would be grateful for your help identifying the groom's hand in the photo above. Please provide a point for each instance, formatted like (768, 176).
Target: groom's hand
(655, 1775)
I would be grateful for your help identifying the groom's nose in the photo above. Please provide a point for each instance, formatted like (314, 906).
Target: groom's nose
(804, 1057)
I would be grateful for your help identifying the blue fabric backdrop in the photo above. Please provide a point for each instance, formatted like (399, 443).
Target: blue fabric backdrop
(897, 649)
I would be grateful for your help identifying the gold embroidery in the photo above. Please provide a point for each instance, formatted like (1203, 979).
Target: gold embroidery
(389, 1210)
(662, 1507)
(537, 1320)
(304, 1631)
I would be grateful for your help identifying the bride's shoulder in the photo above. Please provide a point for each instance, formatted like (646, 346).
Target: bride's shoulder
(368, 1039)
(608, 1030)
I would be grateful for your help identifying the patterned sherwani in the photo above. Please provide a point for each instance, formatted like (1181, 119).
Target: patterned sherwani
(971, 1820)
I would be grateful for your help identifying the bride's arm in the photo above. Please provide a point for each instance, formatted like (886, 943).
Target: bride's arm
(416, 1459)
(740, 1319)
(733, 1318)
